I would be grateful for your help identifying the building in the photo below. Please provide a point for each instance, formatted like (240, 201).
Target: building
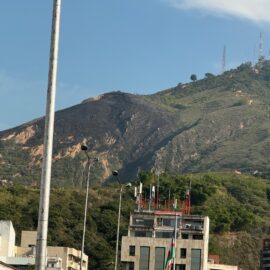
(22, 256)
(7, 239)
(265, 255)
(4, 266)
(8, 250)
(150, 235)
(214, 266)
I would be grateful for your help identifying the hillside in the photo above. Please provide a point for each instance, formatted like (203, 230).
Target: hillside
(219, 123)
(236, 204)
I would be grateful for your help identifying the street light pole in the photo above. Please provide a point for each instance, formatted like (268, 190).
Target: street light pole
(115, 174)
(90, 163)
(44, 200)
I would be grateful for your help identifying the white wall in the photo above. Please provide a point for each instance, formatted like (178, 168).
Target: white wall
(7, 237)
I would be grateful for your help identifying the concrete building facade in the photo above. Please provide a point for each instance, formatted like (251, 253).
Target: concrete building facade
(7, 239)
(214, 266)
(149, 238)
(265, 255)
(58, 258)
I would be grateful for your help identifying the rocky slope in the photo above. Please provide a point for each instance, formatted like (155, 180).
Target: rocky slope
(218, 123)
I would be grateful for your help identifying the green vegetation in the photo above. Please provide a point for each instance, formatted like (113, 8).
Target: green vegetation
(20, 204)
(236, 204)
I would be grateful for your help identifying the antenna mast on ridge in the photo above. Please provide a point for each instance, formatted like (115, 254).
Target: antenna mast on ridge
(224, 60)
(261, 57)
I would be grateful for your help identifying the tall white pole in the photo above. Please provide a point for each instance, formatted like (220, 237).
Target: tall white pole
(118, 227)
(85, 211)
(175, 239)
(48, 143)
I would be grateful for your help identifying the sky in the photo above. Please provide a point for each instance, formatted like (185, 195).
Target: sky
(136, 46)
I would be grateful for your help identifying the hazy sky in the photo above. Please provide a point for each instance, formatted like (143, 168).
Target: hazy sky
(138, 46)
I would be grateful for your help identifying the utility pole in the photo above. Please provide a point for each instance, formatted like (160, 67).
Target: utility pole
(41, 246)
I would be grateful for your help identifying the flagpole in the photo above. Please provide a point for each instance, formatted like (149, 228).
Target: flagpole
(175, 234)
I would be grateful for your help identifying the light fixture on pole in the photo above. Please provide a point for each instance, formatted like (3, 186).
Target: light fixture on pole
(115, 174)
(90, 162)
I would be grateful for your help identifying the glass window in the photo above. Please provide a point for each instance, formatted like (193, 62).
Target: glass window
(198, 236)
(159, 258)
(143, 221)
(144, 258)
(168, 222)
(137, 221)
(159, 221)
(184, 236)
(131, 266)
(195, 259)
(180, 267)
(164, 234)
(149, 222)
(131, 250)
(183, 253)
(143, 233)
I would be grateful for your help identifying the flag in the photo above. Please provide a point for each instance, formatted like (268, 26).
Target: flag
(140, 188)
(175, 204)
(153, 192)
(171, 256)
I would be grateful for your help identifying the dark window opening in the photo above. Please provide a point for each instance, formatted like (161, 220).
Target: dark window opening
(183, 253)
(198, 236)
(131, 250)
(184, 236)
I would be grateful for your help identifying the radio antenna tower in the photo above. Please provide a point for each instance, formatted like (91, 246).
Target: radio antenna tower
(224, 60)
(261, 57)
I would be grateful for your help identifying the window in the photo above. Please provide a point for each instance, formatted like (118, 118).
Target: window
(159, 258)
(183, 253)
(184, 236)
(164, 234)
(131, 250)
(144, 258)
(168, 222)
(131, 266)
(180, 267)
(159, 221)
(143, 233)
(143, 221)
(195, 259)
(198, 236)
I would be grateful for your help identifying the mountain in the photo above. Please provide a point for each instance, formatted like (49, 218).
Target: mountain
(219, 123)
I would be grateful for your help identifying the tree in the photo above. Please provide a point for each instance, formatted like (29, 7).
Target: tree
(193, 77)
